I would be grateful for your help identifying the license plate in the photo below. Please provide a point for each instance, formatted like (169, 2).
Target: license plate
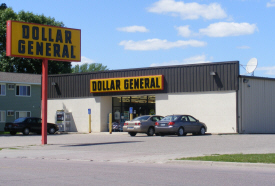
(130, 127)
(162, 125)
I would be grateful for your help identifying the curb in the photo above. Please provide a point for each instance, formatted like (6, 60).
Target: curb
(217, 163)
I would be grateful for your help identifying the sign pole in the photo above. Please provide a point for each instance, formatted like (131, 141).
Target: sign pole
(44, 100)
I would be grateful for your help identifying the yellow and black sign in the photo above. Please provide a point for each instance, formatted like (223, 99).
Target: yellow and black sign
(41, 41)
(138, 83)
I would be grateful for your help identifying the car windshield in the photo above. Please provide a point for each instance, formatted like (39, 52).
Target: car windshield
(141, 118)
(19, 120)
(170, 118)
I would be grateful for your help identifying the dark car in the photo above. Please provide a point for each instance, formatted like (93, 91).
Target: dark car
(179, 125)
(142, 124)
(29, 124)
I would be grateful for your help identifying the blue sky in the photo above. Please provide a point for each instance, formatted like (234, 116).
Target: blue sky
(142, 33)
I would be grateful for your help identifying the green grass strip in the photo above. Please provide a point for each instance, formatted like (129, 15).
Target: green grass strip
(247, 158)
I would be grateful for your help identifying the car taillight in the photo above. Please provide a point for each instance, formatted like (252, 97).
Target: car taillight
(125, 123)
(137, 124)
(171, 123)
(156, 124)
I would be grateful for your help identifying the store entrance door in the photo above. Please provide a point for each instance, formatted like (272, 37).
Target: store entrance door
(142, 105)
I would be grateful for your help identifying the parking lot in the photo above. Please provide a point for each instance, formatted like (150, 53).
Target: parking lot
(120, 147)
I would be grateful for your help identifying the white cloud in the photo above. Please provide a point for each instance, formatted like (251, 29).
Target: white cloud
(184, 31)
(243, 47)
(188, 10)
(270, 4)
(190, 60)
(133, 29)
(83, 60)
(157, 44)
(268, 70)
(225, 29)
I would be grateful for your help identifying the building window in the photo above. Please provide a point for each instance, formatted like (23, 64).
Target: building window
(10, 113)
(11, 86)
(23, 90)
(2, 116)
(22, 114)
(2, 89)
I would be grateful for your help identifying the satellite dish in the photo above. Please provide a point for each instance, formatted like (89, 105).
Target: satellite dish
(251, 65)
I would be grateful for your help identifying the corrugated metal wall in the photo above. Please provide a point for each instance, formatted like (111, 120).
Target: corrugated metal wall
(182, 78)
(257, 105)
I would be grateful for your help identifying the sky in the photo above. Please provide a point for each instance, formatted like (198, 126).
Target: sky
(123, 34)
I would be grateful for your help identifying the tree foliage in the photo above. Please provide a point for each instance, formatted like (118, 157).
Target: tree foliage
(26, 65)
(93, 67)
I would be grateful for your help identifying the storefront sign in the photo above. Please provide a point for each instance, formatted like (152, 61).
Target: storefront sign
(140, 83)
(44, 42)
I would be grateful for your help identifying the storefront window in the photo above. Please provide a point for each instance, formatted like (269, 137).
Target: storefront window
(142, 105)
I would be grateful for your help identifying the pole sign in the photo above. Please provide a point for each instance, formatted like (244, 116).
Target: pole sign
(138, 83)
(30, 40)
(131, 110)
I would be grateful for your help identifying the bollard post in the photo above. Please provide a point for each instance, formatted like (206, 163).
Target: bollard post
(89, 113)
(110, 123)
(90, 128)
(131, 117)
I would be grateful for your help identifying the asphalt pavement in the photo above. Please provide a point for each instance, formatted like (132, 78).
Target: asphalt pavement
(120, 147)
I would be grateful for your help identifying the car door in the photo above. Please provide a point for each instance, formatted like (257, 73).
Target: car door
(38, 125)
(194, 125)
(186, 124)
(30, 124)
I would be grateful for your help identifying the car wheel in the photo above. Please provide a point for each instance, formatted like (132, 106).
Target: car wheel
(26, 131)
(132, 133)
(202, 131)
(12, 133)
(151, 131)
(52, 130)
(180, 132)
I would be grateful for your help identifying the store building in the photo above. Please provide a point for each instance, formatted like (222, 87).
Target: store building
(214, 93)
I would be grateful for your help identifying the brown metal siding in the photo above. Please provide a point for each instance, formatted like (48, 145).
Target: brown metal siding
(182, 78)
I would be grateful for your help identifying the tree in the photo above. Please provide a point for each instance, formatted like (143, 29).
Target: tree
(93, 67)
(26, 65)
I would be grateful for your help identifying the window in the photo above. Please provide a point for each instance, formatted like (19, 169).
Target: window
(11, 86)
(23, 90)
(21, 114)
(184, 118)
(10, 113)
(2, 89)
(2, 116)
(192, 119)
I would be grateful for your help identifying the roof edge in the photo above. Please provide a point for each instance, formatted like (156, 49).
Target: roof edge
(145, 68)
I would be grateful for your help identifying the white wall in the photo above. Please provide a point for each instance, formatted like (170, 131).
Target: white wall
(100, 107)
(216, 109)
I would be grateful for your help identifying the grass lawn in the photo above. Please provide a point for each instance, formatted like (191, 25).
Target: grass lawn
(247, 158)
(1, 132)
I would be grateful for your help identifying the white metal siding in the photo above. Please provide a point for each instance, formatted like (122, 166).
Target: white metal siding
(257, 109)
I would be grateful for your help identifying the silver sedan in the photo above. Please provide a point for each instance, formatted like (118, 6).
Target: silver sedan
(180, 125)
(142, 124)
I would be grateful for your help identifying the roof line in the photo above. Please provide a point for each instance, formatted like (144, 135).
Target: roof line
(145, 68)
(11, 82)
